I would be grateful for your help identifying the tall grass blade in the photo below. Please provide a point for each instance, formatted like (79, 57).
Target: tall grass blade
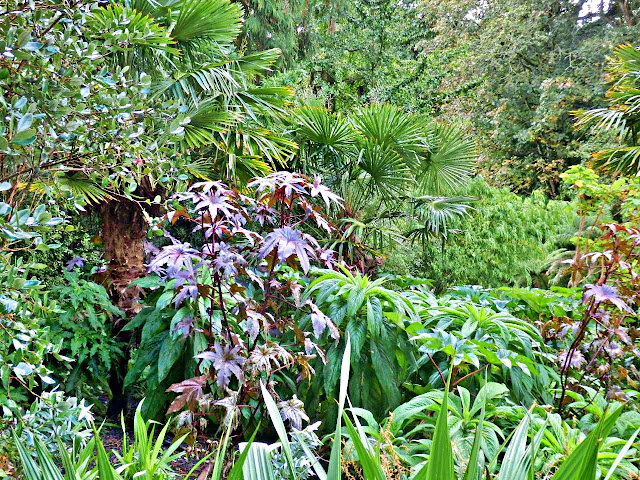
(236, 471)
(105, 469)
(258, 464)
(473, 470)
(49, 469)
(621, 455)
(582, 463)
(440, 464)
(334, 471)
(31, 469)
(515, 464)
(371, 465)
(278, 424)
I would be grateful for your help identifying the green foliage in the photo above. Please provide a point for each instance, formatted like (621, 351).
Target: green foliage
(518, 454)
(470, 334)
(84, 331)
(55, 418)
(507, 241)
(386, 164)
(147, 458)
(373, 316)
(527, 65)
(620, 115)
(25, 343)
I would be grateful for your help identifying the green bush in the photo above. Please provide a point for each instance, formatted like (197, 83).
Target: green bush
(505, 241)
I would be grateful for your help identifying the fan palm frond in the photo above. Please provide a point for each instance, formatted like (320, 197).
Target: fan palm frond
(205, 120)
(622, 116)
(392, 128)
(383, 173)
(258, 142)
(257, 63)
(189, 86)
(259, 100)
(622, 159)
(242, 168)
(138, 30)
(201, 168)
(436, 215)
(76, 185)
(217, 21)
(603, 119)
(324, 128)
(449, 162)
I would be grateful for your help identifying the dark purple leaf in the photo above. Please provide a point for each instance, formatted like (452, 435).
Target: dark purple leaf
(177, 255)
(325, 193)
(605, 293)
(577, 359)
(216, 204)
(75, 262)
(264, 214)
(293, 410)
(184, 293)
(290, 242)
(321, 322)
(190, 390)
(225, 259)
(226, 362)
(267, 357)
(287, 181)
(184, 326)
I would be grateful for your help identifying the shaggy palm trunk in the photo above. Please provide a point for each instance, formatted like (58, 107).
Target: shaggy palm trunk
(123, 232)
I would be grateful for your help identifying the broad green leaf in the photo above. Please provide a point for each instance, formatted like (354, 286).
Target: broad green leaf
(170, 351)
(25, 122)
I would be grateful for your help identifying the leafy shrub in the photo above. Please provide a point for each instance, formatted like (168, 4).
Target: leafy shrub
(375, 319)
(55, 416)
(78, 240)
(22, 301)
(26, 347)
(505, 241)
(472, 338)
(83, 331)
(224, 314)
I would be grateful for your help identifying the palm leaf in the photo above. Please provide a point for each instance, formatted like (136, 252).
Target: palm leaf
(436, 215)
(384, 173)
(449, 162)
(214, 20)
(393, 129)
(142, 31)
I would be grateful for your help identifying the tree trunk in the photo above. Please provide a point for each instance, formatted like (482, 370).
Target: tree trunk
(123, 232)
(629, 19)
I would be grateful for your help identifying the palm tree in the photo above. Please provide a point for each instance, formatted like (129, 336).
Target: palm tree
(187, 49)
(393, 170)
(621, 116)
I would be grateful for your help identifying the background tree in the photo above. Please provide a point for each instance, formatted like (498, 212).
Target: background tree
(534, 62)
(620, 116)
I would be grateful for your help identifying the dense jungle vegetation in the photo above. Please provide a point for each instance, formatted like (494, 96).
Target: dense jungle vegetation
(290, 240)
